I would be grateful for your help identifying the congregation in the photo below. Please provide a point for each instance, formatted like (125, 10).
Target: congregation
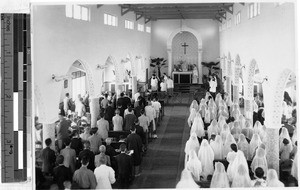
(226, 149)
(102, 157)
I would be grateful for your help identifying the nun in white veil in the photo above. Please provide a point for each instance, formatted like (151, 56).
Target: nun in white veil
(244, 146)
(217, 146)
(254, 143)
(236, 130)
(198, 126)
(272, 179)
(223, 112)
(284, 135)
(219, 179)
(191, 145)
(242, 121)
(221, 122)
(194, 105)
(207, 117)
(186, 180)
(294, 137)
(248, 130)
(238, 160)
(202, 109)
(241, 177)
(213, 128)
(229, 140)
(206, 157)
(192, 116)
(260, 160)
(194, 165)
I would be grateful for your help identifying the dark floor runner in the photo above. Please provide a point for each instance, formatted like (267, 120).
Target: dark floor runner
(164, 160)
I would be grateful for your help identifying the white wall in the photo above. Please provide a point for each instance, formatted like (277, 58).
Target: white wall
(268, 38)
(59, 41)
(208, 29)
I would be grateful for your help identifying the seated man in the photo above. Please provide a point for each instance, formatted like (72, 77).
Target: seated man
(259, 180)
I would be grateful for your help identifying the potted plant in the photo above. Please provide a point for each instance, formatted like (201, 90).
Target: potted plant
(157, 64)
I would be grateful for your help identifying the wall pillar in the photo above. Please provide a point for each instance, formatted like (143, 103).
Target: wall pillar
(200, 69)
(134, 85)
(94, 110)
(235, 93)
(170, 62)
(49, 132)
(228, 86)
(248, 110)
(272, 148)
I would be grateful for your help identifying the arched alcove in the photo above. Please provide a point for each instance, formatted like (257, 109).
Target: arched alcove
(199, 48)
(108, 75)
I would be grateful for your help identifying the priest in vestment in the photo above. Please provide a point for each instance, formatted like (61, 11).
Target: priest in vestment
(195, 74)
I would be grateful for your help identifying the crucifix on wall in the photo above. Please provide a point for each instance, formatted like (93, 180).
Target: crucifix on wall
(184, 46)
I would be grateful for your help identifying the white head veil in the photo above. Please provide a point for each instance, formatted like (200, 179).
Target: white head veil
(213, 128)
(284, 134)
(194, 105)
(194, 165)
(202, 110)
(239, 160)
(242, 121)
(207, 117)
(186, 180)
(254, 143)
(236, 130)
(272, 179)
(192, 144)
(206, 157)
(217, 146)
(294, 171)
(259, 160)
(221, 122)
(244, 146)
(229, 140)
(198, 126)
(192, 116)
(219, 179)
(241, 177)
(294, 137)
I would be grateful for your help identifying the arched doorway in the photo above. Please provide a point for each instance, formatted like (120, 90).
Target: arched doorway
(108, 75)
(199, 49)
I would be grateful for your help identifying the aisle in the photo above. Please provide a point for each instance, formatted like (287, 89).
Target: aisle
(162, 166)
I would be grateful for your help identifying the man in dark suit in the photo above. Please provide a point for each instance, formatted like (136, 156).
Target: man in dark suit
(61, 173)
(124, 168)
(140, 131)
(134, 142)
(109, 114)
(48, 158)
(89, 154)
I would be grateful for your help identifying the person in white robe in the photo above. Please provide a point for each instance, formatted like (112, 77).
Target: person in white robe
(230, 159)
(186, 180)
(223, 112)
(191, 145)
(242, 121)
(294, 137)
(236, 130)
(195, 74)
(207, 117)
(294, 170)
(206, 157)
(217, 146)
(284, 135)
(238, 160)
(254, 143)
(213, 128)
(221, 122)
(194, 165)
(80, 108)
(198, 126)
(244, 146)
(260, 160)
(248, 130)
(272, 179)
(241, 177)
(206, 96)
(194, 105)
(191, 116)
(229, 140)
(202, 110)
(219, 179)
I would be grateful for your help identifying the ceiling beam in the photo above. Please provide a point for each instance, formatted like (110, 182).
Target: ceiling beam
(99, 5)
(221, 15)
(228, 9)
(147, 20)
(138, 16)
(182, 5)
(176, 18)
(176, 8)
(218, 19)
(125, 10)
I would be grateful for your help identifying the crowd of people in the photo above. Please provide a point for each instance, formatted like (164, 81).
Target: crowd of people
(84, 157)
(165, 84)
(226, 150)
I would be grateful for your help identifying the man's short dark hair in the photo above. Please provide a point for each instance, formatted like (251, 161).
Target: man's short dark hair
(132, 128)
(123, 147)
(106, 95)
(285, 141)
(122, 94)
(48, 142)
(67, 141)
(94, 130)
(102, 114)
(109, 102)
(67, 94)
(233, 147)
(259, 172)
(84, 160)
(60, 159)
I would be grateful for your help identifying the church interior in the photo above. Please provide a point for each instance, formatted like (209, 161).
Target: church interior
(196, 95)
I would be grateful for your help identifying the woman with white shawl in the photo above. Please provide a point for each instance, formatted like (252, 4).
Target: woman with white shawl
(217, 146)
(241, 177)
(219, 179)
(242, 121)
(194, 165)
(244, 146)
(294, 171)
(238, 160)
(221, 122)
(206, 157)
(207, 117)
(202, 109)
(260, 160)
(284, 135)
(272, 179)
(186, 180)
(198, 126)
(236, 130)
(194, 105)
(192, 116)
(213, 128)
(229, 140)
(248, 130)
(223, 112)
(254, 143)
(191, 145)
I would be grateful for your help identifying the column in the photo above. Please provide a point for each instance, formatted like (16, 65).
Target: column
(228, 86)
(200, 70)
(118, 89)
(248, 110)
(170, 62)
(235, 93)
(272, 148)
(94, 110)
(49, 132)
(134, 85)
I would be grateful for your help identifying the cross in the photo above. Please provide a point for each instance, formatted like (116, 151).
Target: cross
(184, 46)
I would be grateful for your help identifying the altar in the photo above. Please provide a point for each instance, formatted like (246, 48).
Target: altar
(182, 77)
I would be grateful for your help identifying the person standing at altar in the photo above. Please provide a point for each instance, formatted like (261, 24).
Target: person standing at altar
(195, 74)
(154, 83)
(170, 86)
(213, 86)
